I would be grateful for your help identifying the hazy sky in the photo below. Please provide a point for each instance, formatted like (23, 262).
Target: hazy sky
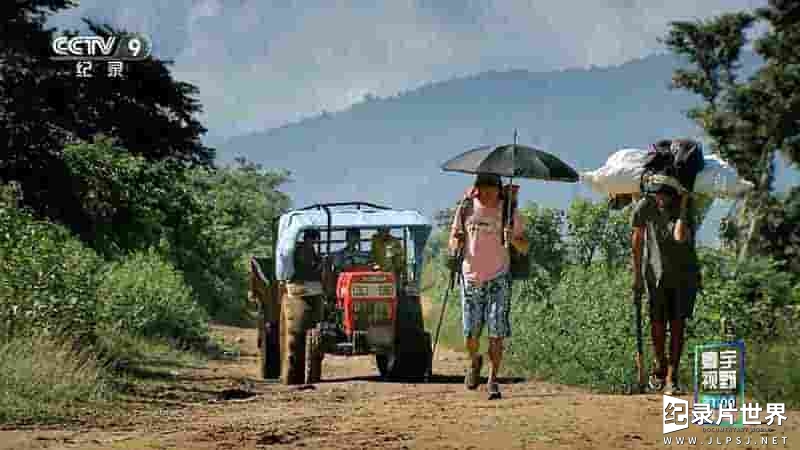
(263, 63)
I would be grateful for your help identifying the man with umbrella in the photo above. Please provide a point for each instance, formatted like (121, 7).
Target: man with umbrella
(478, 231)
(484, 231)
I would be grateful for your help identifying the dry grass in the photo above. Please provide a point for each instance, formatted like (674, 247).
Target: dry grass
(42, 380)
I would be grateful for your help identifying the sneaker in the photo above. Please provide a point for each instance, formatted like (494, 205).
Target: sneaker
(494, 391)
(473, 378)
(656, 383)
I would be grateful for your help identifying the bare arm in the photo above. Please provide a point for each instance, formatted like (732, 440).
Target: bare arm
(681, 232)
(456, 236)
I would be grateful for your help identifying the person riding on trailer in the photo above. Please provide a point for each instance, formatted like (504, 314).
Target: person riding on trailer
(351, 255)
(387, 252)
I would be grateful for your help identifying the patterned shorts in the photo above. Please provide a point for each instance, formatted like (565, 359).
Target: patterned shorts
(488, 304)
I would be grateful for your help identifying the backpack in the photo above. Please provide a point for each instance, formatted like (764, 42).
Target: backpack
(681, 159)
(520, 263)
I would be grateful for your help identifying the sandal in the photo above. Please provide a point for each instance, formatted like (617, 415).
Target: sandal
(656, 383)
(494, 391)
(673, 388)
(472, 380)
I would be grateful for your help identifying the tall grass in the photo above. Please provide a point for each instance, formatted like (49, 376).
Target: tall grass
(42, 379)
(66, 315)
(579, 330)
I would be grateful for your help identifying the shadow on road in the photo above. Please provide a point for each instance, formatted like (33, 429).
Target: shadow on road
(434, 379)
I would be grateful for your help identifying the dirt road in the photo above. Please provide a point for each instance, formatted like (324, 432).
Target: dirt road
(226, 406)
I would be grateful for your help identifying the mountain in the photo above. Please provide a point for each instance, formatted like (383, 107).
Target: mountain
(388, 150)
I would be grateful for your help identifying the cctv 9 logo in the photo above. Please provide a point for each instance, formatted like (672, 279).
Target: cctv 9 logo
(127, 47)
(133, 47)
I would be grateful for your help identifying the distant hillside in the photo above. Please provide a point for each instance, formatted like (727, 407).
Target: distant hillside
(389, 150)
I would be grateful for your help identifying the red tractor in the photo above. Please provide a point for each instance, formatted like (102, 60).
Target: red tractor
(325, 293)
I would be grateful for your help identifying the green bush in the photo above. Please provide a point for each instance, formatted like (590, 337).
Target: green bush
(47, 279)
(144, 295)
(577, 327)
(41, 379)
(755, 296)
(773, 371)
(580, 334)
(579, 330)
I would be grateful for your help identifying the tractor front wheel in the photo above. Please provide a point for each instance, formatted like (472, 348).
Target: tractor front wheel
(387, 365)
(410, 359)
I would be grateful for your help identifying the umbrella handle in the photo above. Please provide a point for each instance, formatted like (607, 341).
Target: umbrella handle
(507, 207)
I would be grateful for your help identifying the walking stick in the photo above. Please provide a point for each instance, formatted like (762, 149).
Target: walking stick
(637, 320)
(450, 286)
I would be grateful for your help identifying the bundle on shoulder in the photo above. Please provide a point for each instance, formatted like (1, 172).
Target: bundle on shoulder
(625, 171)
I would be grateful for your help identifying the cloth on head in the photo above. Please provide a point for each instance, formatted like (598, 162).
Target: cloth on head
(657, 183)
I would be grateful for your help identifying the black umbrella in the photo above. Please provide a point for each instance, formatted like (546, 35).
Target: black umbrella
(514, 161)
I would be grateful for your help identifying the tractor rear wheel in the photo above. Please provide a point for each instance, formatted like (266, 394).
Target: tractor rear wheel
(269, 346)
(417, 356)
(425, 364)
(314, 356)
(294, 314)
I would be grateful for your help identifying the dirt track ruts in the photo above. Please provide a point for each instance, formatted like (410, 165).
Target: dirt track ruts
(226, 406)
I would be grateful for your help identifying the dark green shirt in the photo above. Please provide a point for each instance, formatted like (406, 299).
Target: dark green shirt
(307, 264)
(666, 262)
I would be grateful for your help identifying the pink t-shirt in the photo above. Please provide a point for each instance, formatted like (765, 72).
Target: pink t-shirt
(485, 257)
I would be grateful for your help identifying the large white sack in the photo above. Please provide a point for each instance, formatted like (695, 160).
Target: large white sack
(621, 174)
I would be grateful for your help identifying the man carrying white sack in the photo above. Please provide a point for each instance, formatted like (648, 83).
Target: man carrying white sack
(667, 269)
(621, 174)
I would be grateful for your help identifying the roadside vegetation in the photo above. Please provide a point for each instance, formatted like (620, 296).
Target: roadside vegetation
(120, 238)
(573, 318)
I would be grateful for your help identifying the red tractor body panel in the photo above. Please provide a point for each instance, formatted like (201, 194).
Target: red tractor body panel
(368, 299)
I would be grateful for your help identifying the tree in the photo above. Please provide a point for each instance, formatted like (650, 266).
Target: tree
(781, 230)
(586, 222)
(242, 200)
(616, 243)
(44, 108)
(543, 230)
(594, 229)
(124, 202)
(747, 121)
(234, 210)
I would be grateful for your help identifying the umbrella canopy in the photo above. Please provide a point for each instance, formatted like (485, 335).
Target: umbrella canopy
(512, 160)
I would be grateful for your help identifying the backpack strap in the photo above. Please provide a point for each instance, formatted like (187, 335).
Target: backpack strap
(507, 217)
(464, 210)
